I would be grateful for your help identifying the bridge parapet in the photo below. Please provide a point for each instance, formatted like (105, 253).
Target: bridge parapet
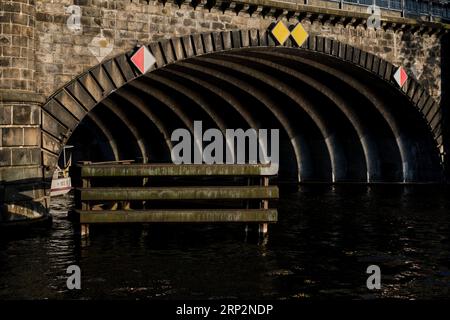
(415, 9)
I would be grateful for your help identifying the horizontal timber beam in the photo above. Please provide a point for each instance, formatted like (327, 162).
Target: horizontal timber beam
(178, 193)
(154, 170)
(179, 215)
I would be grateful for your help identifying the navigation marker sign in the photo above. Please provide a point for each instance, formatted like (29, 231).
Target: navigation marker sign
(143, 59)
(299, 34)
(400, 76)
(280, 32)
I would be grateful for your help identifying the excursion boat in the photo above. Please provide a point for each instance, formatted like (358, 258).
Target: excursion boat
(61, 182)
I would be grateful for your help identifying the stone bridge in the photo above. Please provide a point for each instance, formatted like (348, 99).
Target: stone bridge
(66, 78)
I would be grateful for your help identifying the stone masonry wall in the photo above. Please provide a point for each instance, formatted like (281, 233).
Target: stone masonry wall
(19, 112)
(20, 143)
(112, 27)
(419, 54)
(63, 54)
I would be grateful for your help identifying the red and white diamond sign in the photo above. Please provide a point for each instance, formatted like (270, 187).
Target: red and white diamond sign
(400, 76)
(143, 59)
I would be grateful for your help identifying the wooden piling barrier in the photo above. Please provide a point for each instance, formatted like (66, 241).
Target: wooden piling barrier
(253, 199)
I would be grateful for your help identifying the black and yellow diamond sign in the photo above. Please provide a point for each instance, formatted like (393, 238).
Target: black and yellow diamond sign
(299, 34)
(281, 33)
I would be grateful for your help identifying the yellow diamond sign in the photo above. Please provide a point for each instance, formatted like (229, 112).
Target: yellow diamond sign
(280, 32)
(299, 34)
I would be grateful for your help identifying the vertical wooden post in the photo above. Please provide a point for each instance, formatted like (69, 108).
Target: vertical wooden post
(247, 202)
(145, 184)
(263, 227)
(85, 205)
(445, 103)
(247, 206)
(84, 230)
(265, 184)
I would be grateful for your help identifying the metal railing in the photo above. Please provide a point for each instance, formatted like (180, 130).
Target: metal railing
(439, 9)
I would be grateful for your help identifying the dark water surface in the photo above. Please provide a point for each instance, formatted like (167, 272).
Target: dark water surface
(325, 239)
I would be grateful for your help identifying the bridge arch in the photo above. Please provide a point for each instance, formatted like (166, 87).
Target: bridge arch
(341, 115)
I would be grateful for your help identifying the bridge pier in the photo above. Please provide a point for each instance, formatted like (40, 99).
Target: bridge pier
(22, 193)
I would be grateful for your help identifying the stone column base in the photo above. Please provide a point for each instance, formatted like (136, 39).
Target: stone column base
(23, 201)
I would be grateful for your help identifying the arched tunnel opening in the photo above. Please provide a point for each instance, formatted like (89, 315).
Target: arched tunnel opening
(338, 122)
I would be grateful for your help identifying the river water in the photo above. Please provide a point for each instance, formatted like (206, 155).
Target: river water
(325, 239)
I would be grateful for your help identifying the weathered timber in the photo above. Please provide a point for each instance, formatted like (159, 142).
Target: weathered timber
(148, 170)
(105, 162)
(135, 202)
(178, 193)
(178, 216)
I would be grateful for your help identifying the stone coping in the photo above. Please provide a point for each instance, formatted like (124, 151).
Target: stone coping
(279, 9)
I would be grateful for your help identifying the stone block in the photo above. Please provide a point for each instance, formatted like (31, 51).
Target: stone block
(32, 136)
(5, 114)
(25, 156)
(21, 173)
(12, 136)
(5, 157)
(26, 114)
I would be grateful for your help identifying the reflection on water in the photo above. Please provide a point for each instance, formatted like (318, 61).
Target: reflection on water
(321, 247)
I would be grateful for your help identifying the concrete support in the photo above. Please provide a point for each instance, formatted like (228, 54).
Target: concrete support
(22, 194)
